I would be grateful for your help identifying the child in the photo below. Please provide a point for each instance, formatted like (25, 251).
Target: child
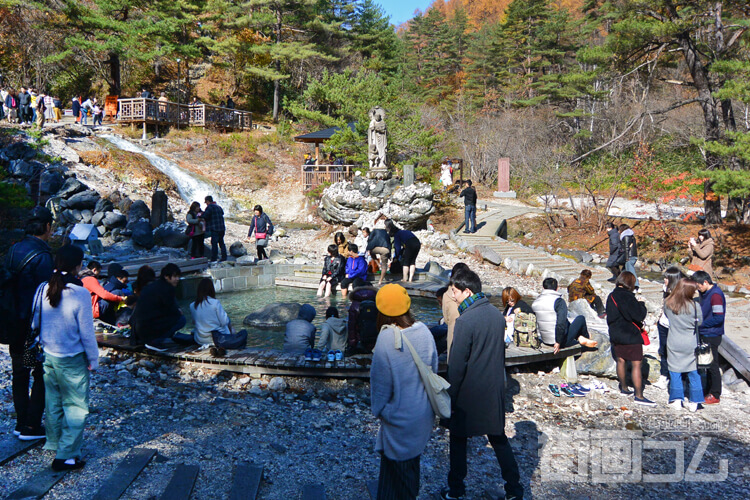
(333, 270)
(356, 270)
(334, 332)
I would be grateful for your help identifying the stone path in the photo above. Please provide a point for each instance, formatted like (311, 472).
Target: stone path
(533, 262)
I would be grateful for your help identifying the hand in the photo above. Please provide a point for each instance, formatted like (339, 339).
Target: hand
(557, 348)
(91, 369)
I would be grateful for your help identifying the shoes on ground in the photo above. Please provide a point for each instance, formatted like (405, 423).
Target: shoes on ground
(662, 383)
(28, 433)
(711, 400)
(308, 354)
(692, 407)
(565, 390)
(599, 386)
(338, 355)
(644, 402)
(217, 352)
(554, 390)
(316, 355)
(676, 404)
(445, 494)
(581, 388)
(572, 389)
(331, 356)
(625, 392)
(59, 464)
(154, 348)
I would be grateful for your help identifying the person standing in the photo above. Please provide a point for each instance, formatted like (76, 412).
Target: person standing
(406, 247)
(685, 317)
(197, 230)
(625, 316)
(379, 246)
(469, 194)
(398, 396)
(70, 354)
(476, 372)
(671, 276)
(40, 110)
(449, 308)
(615, 250)
(76, 108)
(24, 106)
(713, 307)
(629, 251)
(262, 226)
(702, 252)
(30, 262)
(214, 217)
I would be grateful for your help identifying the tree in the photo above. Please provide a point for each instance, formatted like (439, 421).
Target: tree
(374, 38)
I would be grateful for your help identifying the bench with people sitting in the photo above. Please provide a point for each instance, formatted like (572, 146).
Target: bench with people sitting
(552, 320)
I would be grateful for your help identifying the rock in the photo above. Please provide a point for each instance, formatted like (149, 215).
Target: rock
(56, 147)
(113, 219)
(277, 384)
(434, 268)
(146, 363)
(104, 205)
(86, 216)
(50, 182)
(345, 202)
(18, 151)
(124, 205)
(237, 249)
(142, 234)
(280, 233)
(83, 200)
(25, 169)
(171, 235)
(255, 391)
(246, 260)
(273, 315)
(489, 254)
(744, 291)
(70, 187)
(577, 255)
(138, 210)
(96, 219)
(143, 373)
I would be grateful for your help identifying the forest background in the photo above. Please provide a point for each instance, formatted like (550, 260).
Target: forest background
(590, 99)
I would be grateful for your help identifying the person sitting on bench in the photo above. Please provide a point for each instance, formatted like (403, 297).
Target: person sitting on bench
(300, 333)
(212, 324)
(157, 317)
(552, 320)
(356, 270)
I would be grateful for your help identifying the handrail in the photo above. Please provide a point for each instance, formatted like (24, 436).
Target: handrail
(139, 109)
(315, 175)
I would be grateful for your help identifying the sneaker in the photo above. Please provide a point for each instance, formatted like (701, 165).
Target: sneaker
(217, 352)
(581, 388)
(711, 400)
(676, 404)
(662, 383)
(308, 354)
(644, 402)
(565, 390)
(31, 433)
(554, 390)
(572, 389)
(692, 407)
(338, 354)
(316, 355)
(446, 495)
(599, 386)
(17, 430)
(331, 356)
(59, 464)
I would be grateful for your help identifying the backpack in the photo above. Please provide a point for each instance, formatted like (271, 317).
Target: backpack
(524, 331)
(8, 299)
(367, 323)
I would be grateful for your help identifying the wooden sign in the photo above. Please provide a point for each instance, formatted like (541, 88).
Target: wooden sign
(110, 107)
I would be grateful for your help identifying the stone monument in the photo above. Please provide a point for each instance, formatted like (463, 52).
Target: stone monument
(377, 143)
(503, 179)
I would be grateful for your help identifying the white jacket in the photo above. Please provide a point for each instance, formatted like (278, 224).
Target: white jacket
(546, 317)
(209, 316)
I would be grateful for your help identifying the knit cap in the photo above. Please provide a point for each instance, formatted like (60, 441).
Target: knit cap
(393, 300)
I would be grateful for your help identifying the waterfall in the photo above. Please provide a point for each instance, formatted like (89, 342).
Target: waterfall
(190, 186)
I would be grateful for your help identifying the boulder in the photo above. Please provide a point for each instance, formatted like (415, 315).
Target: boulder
(577, 255)
(17, 151)
(67, 217)
(86, 216)
(345, 202)
(273, 315)
(104, 205)
(237, 249)
(124, 205)
(25, 169)
(56, 147)
(83, 200)
(138, 210)
(277, 384)
(171, 235)
(142, 234)
(70, 187)
(246, 260)
(112, 220)
(96, 219)
(489, 254)
(50, 182)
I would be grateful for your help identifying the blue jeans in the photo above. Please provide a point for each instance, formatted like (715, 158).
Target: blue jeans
(470, 218)
(676, 391)
(630, 267)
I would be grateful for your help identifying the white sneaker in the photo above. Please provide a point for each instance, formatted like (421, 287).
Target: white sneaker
(693, 407)
(662, 383)
(676, 404)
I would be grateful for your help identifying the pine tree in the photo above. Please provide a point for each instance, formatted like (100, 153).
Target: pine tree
(374, 37)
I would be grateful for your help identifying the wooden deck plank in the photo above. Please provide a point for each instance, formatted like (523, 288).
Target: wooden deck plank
(246, 481)
(38, 485)
(125, 473)
(11, 447)
(181, 485)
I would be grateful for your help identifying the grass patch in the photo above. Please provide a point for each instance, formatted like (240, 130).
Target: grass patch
(128, 167)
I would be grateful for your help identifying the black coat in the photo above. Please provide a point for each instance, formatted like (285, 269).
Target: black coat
(378, 238)
(615, 249)
(156, 311)
(469, 195)
(626, 318)
(476, 371)
(334, 267)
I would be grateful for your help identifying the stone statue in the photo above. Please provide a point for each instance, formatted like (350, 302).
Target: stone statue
(377, 142)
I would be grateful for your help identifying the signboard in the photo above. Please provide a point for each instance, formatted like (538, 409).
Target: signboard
(110, 107)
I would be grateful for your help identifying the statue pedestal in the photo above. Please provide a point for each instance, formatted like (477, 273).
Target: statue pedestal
(379, 173)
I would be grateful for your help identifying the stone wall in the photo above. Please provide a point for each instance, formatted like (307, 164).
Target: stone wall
(238, 278)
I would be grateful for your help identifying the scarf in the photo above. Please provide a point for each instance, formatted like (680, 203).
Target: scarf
(469, 301)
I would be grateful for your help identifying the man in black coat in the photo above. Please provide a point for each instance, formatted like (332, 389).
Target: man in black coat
(615, 251)
(469, 194)
(476, 372)
(157, 317)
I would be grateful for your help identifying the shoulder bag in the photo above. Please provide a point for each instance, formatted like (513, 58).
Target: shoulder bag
(435, 386)
(703, 354)
(33, 355)
(258, 235)
(644, 332)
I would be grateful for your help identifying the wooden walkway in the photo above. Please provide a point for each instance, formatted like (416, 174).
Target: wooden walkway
(155, 112)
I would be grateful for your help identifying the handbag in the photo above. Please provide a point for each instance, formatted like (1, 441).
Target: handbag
(435, 386)
(644, 332)
(33, 355)
(703, 354)
(259, 236)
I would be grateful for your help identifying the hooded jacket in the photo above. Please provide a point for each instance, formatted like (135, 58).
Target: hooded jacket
(300, 332)
(333, 334)
(96, 290)
(629, 245)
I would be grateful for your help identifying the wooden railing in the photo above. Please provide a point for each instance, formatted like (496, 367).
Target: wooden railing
(199, 115)
(315, 175)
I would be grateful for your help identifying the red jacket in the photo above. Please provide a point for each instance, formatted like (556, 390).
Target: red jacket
(91, 284)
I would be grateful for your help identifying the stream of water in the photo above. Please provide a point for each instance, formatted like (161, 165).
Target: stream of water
(189, 186)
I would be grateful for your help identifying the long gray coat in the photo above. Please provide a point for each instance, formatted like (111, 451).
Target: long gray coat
(615, 250)
(681, 341)
(476, 371)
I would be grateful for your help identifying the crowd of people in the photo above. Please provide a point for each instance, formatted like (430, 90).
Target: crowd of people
(27, 106)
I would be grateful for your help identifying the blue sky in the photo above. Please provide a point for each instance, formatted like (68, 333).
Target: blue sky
(402, 10)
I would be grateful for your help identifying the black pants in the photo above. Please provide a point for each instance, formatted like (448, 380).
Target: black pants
(198, 246)
(29, 408)
(399, 480)
(712, 377)
(217, 240)
(663, 333)
(261, 252)
(355, 282)
(597, 305)
(505, 458)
